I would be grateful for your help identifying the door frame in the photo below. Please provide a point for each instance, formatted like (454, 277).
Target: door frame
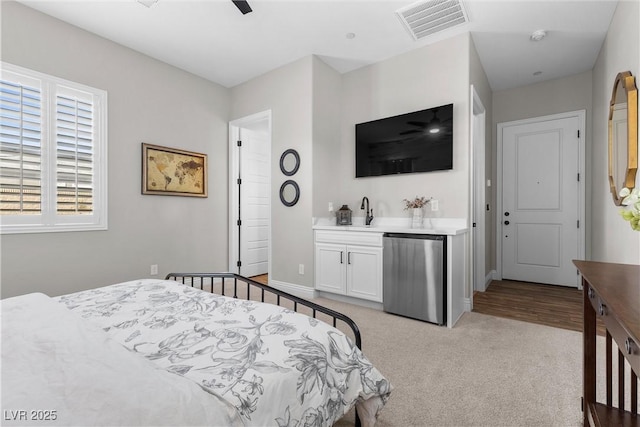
(477, 176)
(234, 134)
(581, 115)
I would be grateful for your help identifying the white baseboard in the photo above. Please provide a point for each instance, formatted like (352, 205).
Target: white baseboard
(298, 290)
(467, 304)
(489, 278)
(350, 300)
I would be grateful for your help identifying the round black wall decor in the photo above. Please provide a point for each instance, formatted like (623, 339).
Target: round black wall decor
(289, 162)
(289, 193)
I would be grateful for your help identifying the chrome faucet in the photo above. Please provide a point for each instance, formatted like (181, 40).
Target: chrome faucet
(369, 217)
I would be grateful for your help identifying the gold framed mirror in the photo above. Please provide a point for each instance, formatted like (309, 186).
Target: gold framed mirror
(623, 135)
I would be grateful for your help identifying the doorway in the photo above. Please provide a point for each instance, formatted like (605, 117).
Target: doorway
(541, 193)
(250, 195)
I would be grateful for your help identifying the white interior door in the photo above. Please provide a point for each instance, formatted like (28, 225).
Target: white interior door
(540, 227)
(249, 198)
(254, 202)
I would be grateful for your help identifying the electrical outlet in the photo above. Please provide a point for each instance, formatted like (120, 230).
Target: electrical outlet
(154, 269)
(434, 205)
(300, 268)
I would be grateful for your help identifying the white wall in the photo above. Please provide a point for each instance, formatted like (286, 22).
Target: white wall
(151, 102)
(287, 92)
(434, 75)
(613, 240)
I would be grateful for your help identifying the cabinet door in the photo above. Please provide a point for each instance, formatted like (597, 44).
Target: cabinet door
(331, 263)
(364, 272)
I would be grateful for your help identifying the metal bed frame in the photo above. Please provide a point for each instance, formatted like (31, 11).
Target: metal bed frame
(232, 280)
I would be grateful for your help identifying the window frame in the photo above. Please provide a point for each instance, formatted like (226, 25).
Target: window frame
(49, 220)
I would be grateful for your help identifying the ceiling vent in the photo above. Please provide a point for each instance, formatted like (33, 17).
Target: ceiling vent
(429, 17)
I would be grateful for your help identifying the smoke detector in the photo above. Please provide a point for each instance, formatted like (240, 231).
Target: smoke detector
(429, 17)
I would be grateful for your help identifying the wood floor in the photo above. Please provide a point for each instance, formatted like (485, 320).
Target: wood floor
(263, 278)
(549, 305)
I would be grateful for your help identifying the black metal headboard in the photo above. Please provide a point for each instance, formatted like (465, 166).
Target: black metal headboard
(241, 287)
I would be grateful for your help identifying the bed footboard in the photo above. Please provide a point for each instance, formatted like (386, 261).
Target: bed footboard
(237, 286)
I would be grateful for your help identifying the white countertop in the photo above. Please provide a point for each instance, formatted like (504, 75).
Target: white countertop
(442, 226)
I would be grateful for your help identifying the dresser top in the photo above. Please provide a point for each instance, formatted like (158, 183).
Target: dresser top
(619, 286)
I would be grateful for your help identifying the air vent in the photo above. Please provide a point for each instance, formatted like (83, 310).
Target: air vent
(429, 17)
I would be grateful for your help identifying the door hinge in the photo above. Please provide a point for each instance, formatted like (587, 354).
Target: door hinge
(239, 264)
(239, 223)
(474, 224)
(239, 143)
(239, 181)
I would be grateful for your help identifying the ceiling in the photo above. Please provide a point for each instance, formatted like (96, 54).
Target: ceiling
(212, 39)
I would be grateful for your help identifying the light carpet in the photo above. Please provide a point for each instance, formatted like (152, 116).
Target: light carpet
(486, 371)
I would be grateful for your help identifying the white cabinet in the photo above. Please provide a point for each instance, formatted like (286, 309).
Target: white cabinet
(349, 263)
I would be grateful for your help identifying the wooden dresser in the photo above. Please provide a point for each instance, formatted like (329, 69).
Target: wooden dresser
(612, 293)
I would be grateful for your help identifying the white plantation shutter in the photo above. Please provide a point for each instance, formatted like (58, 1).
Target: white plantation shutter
(74, 155)
(20, 148)
(53, 154)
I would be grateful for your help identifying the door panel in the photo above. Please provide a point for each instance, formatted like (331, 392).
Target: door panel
(331, 267)
(546, 252)
(540, 234)
(364, 271)
(255, 208)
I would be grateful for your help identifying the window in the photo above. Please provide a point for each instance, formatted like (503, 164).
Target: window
(53, 154)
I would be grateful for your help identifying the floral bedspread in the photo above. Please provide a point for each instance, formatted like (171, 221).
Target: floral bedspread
(277, 367)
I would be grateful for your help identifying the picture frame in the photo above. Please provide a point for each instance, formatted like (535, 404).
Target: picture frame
(173, 172)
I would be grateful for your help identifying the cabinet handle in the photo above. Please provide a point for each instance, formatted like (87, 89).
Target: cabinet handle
(629, 345)
(348, 257)
(341, 254)
(602, 309)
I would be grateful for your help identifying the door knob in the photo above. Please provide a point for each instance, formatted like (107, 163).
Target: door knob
(506, 214)
(506, 223)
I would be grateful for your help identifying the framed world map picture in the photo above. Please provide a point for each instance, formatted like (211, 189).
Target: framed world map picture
(172, 172)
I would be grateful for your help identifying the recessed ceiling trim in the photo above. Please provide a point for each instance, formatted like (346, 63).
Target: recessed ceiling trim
(428, 17)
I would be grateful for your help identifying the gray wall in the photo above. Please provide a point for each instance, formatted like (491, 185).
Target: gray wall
(613, 240)
(150, 102)
(571, 93)
(287, 92)
(426, 77)
(327, 97)
(314, 110)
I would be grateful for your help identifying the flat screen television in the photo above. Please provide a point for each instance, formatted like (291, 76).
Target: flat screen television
(421, 141)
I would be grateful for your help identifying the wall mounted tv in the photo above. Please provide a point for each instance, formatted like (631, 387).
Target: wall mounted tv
(421, 141)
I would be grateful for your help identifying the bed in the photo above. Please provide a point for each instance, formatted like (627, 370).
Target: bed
(193, 349)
